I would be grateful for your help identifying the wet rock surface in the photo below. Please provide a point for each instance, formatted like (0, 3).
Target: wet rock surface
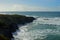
(9, 24)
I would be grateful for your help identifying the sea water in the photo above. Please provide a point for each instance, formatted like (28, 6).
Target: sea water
(45, 27)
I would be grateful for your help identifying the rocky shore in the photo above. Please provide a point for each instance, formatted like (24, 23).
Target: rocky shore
(9, 24)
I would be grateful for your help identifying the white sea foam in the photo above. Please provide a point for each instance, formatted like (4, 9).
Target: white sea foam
(32, 16)
(43, 20)
(32, 31)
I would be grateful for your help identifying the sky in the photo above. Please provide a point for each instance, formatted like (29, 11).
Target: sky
(29, 5)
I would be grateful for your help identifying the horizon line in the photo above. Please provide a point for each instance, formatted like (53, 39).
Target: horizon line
(29, 11)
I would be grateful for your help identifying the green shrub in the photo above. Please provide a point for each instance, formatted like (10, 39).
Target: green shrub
(2, 37)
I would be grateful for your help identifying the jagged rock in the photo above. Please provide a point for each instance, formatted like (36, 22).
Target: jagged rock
(9, 24)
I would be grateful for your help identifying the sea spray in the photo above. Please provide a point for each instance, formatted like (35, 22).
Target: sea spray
(39, 29)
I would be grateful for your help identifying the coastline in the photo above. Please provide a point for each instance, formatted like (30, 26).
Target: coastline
(9, 24)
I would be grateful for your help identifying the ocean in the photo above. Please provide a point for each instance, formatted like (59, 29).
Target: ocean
(45, 27)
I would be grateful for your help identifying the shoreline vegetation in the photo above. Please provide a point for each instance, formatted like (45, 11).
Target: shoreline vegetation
(9, 24)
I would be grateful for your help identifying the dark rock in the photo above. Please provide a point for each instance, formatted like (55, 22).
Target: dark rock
(9, 24)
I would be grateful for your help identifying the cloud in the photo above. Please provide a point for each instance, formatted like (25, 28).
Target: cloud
(20, 7)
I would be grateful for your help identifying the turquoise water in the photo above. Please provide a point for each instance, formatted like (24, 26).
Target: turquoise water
(45, 27)
(40, 14)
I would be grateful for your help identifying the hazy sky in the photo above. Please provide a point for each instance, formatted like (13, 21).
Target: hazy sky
(29, 5)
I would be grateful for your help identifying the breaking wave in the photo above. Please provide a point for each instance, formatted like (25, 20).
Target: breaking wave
(40, 29)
